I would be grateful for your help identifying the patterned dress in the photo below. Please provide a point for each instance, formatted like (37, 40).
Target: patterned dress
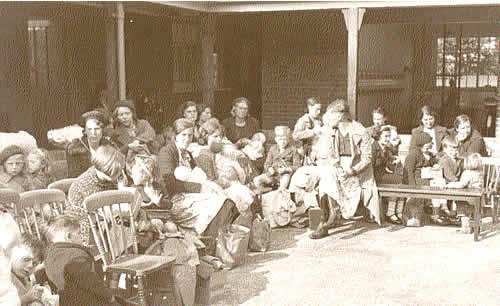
(85, 185)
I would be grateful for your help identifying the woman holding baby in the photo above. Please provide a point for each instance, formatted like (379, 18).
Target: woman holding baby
(194, 201)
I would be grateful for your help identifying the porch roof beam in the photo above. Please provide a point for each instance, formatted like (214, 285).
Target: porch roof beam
(274, 6)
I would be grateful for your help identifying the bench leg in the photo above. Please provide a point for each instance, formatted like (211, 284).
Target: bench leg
(477, 218)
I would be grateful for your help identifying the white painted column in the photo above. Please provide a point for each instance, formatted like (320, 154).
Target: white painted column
(120, 39)
(353, 18)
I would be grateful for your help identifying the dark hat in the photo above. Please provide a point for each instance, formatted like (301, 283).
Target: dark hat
(125, 103)
(421, 139)
(97, 115)
(8, 152)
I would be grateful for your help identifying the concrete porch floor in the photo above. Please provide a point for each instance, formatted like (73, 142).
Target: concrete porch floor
(362, 264)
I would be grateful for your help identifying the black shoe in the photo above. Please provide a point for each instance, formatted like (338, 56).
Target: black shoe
(320, 232)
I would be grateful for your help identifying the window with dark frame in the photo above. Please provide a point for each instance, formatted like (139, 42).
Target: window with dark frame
(472, 61)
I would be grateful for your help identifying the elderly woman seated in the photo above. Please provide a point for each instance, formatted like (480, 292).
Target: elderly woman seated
(241, 126)
(342, 155)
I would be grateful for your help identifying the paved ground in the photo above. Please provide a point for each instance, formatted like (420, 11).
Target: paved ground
(362, 264)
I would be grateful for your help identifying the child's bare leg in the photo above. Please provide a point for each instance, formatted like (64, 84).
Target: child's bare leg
(391, 210)
(400, 206)
(436, 218)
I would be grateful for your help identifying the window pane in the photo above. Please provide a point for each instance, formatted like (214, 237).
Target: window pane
(469, 64)
(450, 54)
(439, 60)
(488, 57)
(439, 81)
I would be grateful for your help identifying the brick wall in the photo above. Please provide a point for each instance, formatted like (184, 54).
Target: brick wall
(306, 55)
(303, 55)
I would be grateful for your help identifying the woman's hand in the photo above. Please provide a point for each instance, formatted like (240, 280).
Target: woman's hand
(271, 171)
(34, 294)
(135, 146)
(461, 136)
(242, 142)
(153, 194)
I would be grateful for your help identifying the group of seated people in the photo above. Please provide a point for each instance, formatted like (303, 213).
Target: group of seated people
(208, 173)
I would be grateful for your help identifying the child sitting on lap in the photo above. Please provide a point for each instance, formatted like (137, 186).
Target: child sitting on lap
(281, 162)
(71, 267)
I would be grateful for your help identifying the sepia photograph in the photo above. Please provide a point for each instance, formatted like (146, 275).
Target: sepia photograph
(250, 152)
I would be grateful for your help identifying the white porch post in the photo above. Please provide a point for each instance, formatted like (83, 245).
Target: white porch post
(353, 18)
(120, 37)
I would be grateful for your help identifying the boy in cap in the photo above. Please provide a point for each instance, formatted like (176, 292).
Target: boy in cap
(281, 162)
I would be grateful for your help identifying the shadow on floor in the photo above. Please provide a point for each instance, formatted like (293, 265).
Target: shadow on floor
(284, 238)
(355, 227)
(244, 282)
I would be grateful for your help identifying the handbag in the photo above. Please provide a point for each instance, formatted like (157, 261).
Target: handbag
(278, 208)
(232, 247)
(260, 235)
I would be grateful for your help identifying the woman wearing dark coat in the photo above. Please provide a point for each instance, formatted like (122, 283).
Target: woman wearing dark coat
(79, 151)
(129, 132)
(430, 127)
(240, 128)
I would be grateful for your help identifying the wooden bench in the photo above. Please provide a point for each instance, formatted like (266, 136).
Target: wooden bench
(472, 196)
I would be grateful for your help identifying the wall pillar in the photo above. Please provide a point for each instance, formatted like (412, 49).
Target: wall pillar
(111, 61)
(120, 40)
(353, 18)
(497, 127)
(209, 58)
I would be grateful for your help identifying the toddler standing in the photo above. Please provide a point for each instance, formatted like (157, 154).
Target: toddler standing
(472, 177)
